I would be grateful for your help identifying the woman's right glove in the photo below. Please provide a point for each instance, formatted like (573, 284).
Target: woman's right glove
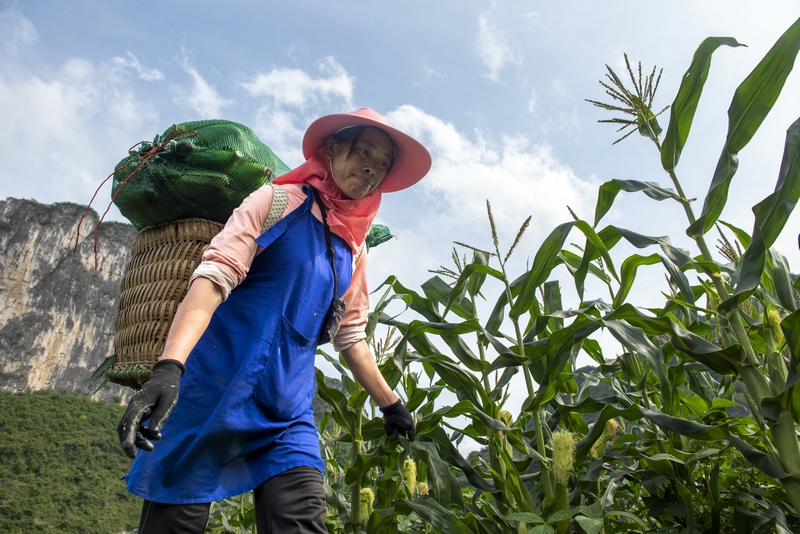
(155, 401)
(397, 419)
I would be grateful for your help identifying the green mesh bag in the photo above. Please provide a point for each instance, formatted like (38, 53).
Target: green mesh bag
(194, 169)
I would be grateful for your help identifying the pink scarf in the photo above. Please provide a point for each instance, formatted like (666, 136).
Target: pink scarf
(349, 219)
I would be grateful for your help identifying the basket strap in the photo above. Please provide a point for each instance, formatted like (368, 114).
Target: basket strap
(279, 200)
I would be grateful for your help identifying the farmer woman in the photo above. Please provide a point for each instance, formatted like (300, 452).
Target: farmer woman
(248, 330)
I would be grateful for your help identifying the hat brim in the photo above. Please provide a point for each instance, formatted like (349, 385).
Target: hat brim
(412, 160)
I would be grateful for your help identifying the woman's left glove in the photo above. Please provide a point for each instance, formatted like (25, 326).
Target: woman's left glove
(155, 401)
(397, 419)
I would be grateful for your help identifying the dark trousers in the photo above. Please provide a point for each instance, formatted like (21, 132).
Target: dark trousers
(291, 502)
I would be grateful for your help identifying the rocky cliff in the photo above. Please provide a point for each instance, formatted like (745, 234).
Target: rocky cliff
(57, 311)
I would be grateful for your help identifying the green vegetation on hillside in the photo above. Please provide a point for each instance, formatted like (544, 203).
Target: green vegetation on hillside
(61, 466)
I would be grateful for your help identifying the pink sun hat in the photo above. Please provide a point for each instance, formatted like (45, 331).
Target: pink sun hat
(412, 161)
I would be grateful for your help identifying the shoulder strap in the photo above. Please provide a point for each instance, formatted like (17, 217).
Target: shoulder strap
(331, 251)
(277, 229)
(279, 200)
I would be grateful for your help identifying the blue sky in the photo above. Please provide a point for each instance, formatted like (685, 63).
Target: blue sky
(495, 90)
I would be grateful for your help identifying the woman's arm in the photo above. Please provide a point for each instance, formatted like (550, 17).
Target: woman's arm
(366, 372)
(159, 395)
(192, 318)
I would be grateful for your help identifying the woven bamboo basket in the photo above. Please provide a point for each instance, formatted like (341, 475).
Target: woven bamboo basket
(155, 282)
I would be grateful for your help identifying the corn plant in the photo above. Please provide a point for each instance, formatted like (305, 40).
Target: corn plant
(750, 302)
(695, 430)
(235, 514)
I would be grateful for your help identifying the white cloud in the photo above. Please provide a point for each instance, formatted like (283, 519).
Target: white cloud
(558, 87)
(132, 62)
(51, 132)
(517, 177)
(16, 31)
(293, 98)
(429, 76)
(203, 98)
(430, 71)
(532, 102)
(493, 50)
(295, 88)
(45, 111)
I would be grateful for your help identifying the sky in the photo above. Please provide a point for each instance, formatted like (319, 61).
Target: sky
(495, 90)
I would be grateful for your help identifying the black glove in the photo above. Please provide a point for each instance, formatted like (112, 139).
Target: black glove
(156, 400)
(397, 419)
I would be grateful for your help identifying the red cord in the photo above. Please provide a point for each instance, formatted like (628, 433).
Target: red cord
(131, 152)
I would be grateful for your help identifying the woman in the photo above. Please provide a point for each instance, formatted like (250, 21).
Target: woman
(249, 328)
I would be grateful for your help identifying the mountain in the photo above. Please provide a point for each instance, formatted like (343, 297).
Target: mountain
(57, 311)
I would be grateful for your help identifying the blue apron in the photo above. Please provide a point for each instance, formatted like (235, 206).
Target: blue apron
(244, 413)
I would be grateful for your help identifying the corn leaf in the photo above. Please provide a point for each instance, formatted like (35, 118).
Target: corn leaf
(437, 515)
(791, 330)
(690, 429)
(552, 302)
(608, 193)
(342, 413)
(362, 464)
(525, 517)
(781, 276)
(589, 525)
(761, 460)
(721, 360)
(611, 235)
(560, 346)
(685, 104)
(751, 103)
(609, 411)
(680, 279)
(450, 453)
(542, 266)
(476, 282)
(628, 273)
(443, 486)
(572, 261)
(497, 315)
(595, 245)
(471, 278)
(741, 235)
(414, 300)
(633, 517)
(771, 215)
(439, 291)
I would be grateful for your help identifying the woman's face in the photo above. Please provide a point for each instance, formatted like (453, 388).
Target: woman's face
(361, 172)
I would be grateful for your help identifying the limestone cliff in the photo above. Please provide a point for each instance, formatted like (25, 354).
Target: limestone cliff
(57, 311)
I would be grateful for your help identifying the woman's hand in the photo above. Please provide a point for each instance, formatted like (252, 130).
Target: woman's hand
(396, 418)
(155, 401)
